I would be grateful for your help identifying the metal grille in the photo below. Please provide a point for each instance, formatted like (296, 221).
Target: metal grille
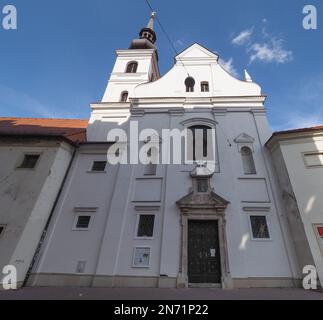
(259, 227)
(30, 161)
(99, 165)
(83, 222)
(146, 225)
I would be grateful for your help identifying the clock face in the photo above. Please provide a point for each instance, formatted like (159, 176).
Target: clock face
(141, 258)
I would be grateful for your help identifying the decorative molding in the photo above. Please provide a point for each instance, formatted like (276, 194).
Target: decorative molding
(256, 209)
(147, 208)
(85, 209)
(136, 112)
(197, 121)
(176, 112)
(244, 138)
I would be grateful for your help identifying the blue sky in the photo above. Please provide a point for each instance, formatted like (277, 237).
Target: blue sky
(60, 57)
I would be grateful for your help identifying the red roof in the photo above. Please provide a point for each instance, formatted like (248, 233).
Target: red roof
(72, 129)
(299, 130)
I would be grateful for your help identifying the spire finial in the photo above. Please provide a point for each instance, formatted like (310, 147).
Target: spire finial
(247, 76)
(150, 24)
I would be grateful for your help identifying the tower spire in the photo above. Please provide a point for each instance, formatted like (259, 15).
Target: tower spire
(148, 32)
(147, 36)
(150, 24)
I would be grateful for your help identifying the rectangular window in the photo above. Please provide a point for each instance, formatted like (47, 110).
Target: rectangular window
(83, 222)
(313, 159)
(29, 161)
(98, 166)
(141, 257)
(259, 227)
(204, 86)
(146, 225)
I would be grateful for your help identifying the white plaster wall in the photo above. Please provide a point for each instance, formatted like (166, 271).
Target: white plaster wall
(307, 184)
(27, 197)
(120, 81)
(64, 247)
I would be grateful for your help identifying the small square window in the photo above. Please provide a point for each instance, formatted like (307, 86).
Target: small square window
(205, 86)
(146, 225)
(259, 227)
(83, 222)
(150, 169)
(98, 166)
(1, 229)
(29, 161)
(141, 257)
(80, 268)
(202, 185)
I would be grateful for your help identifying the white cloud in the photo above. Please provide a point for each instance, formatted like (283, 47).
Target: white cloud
(268, 50)
(228, 66)
(243, 37)
(272, 51)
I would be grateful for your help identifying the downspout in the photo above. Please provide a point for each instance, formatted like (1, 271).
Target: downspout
(42, 238)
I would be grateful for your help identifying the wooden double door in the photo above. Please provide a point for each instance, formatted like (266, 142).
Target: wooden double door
(204, 265)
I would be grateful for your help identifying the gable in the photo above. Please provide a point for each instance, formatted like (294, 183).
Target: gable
(197, 52)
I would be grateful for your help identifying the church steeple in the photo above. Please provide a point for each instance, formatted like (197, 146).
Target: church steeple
(148, 32)
(147, 36)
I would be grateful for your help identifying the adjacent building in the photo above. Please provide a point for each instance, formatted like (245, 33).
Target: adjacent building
(34, 155)
(298, 160)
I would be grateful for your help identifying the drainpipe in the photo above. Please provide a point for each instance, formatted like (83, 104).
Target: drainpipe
(42, 238)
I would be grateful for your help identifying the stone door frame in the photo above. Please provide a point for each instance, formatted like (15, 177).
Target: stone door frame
(198, 214)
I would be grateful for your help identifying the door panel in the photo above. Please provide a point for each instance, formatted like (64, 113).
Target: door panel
(203, 252)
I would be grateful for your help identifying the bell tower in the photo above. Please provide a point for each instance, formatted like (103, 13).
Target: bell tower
(135, 65)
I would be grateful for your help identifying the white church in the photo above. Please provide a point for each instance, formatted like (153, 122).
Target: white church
(214, 222)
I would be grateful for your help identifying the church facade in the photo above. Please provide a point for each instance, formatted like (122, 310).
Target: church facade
(171, 225)
(217, 221)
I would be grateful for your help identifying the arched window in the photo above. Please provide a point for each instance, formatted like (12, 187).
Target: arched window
(198, 144)
(189, 83)
(247, 161)
(205, 86)
(132, 67)
(124, 96)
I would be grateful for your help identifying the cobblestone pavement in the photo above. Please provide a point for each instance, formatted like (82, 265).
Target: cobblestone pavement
(72, 293)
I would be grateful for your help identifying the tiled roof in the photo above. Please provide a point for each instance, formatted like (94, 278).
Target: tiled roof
(299, 130)
(72, 129)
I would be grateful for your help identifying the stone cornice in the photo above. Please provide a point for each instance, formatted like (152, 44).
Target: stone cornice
(287, 137)
(254, 101)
